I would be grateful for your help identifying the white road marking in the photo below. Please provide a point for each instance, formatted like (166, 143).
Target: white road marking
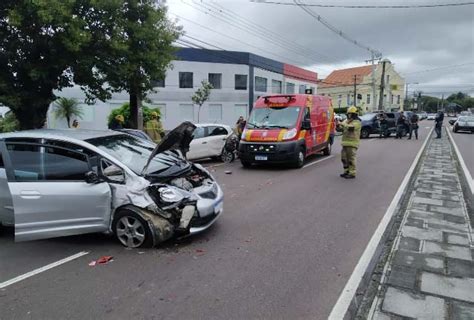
(462, 163)
(320, 160)
(42, 269)
(343, 302)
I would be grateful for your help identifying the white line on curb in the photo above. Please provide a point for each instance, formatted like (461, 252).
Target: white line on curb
(320, 160)
(342, 305)
(462, 163)
(42, 269)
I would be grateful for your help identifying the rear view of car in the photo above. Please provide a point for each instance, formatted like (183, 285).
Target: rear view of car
(464, 123)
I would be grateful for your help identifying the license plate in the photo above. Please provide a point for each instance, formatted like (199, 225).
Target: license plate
(261, 158)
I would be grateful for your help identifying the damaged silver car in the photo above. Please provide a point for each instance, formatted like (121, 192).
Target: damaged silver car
(66, 182)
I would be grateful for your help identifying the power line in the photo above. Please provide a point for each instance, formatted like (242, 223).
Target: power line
(411, 6)
(342, 34)
(251, 30)
(439, 68)
(265, 31)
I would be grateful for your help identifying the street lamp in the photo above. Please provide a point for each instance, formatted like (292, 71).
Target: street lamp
(406, 89)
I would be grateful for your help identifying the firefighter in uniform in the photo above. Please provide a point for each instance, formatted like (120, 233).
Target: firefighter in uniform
(350, 142)
(154, 128)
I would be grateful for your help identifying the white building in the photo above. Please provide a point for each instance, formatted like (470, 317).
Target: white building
(239, 78)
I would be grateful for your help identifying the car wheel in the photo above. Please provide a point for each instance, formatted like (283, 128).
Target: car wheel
(364, 133)
(132, 230)
(387, 134)
(404, 132)
(227, 156)
(299, 160)
(246, 164)
(327, 150)
(455, 129)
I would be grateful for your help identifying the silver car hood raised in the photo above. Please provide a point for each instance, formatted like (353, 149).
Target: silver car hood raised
(177, 139)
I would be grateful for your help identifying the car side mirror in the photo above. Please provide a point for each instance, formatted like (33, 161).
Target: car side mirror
(306, 125)
(92, 178)
(113, 173)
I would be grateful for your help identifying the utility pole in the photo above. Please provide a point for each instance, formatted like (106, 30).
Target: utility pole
(382, 86)
(372, 60)
(355, 90)
(442, 102)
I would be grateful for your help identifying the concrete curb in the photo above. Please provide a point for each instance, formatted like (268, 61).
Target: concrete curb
(352, 295)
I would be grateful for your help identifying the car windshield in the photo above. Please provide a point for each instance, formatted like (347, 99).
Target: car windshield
(467, 119)
(274, 117)
(368, 116)
(131, 151)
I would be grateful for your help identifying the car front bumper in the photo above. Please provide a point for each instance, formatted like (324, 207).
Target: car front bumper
(281, 152)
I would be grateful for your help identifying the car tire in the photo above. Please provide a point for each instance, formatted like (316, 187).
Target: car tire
(227, 156)
(327, 150)
(364, 133)
(131, 230)
(299, 159)
(246, 164)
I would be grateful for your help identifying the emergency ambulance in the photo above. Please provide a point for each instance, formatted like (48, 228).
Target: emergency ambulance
(287, 129)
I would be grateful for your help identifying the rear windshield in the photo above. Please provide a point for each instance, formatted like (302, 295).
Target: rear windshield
(469, 119)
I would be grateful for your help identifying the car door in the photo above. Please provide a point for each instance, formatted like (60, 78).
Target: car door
(6, 204)
(198, 146)
(50, 195)
(216, 138)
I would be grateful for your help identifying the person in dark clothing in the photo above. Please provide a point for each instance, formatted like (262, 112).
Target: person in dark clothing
(439, 124)
(413, 123)
(401, 125)
(383, 125)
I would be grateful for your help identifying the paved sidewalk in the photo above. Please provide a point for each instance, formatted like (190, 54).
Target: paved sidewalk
(430, 271)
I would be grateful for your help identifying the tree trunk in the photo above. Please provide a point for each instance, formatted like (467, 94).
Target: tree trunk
(136, 112)
(31, 117)
(68, 119)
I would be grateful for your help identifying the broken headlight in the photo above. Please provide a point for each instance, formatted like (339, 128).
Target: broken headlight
(170, 195)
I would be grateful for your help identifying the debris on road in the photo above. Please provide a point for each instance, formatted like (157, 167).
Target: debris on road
(228, 172)
(101, 260)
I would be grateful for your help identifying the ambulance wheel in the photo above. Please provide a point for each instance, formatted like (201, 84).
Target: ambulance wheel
(299, 160)
(246, 164)
(327, 150)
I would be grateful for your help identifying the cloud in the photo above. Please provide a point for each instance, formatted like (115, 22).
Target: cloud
(413, 39)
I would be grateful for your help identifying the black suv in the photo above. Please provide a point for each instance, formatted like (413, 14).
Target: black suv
(371, 125)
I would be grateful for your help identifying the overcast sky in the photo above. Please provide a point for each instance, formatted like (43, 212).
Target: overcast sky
(415, 40)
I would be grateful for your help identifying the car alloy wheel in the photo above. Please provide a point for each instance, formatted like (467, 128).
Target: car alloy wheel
(130, 231)
(227, 156)
(364, 133)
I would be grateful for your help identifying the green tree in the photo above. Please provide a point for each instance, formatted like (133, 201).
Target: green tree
(8, 123)
(66, 108)
(46, 45)
(202, 95)
(139, 51)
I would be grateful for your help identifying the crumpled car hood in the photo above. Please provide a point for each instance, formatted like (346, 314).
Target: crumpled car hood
(177, 139)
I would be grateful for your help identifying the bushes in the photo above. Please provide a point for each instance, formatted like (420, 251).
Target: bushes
(124, 110)
(9, 123)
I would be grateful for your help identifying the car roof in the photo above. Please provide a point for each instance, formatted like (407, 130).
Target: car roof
(77, 134)
(211, 124)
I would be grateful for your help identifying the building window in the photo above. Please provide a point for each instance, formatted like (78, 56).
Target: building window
(398, 99)
(276, 86)
(186, 112)
(385, 98)
(290, 88)
(348, 99)
(240, 82)
(215, 112)
(158, 83)
(215, 79)
(368, 98)
(240, 110)
(391, 98)
(260, 84)
(388, 80)
(302, 89)
(313, 90)
(185, 79)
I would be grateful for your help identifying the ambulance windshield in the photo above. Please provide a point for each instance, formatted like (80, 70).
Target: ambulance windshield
(281, 117)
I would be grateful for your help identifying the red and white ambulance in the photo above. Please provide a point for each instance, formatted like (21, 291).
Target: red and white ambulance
(287, 129)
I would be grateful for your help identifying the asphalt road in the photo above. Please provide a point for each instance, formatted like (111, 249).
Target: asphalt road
(465, 143)
(284, 248)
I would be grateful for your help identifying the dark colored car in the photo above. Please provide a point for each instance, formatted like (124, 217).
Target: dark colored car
(371, 125)
(464, 123)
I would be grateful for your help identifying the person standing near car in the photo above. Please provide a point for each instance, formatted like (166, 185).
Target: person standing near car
(154, 128)
(350, 142)
(401, 125)
(439, 124)
(383, 125)
(240, 126)
(413, 125)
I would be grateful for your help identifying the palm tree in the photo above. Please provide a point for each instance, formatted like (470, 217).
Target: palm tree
(67, 108)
